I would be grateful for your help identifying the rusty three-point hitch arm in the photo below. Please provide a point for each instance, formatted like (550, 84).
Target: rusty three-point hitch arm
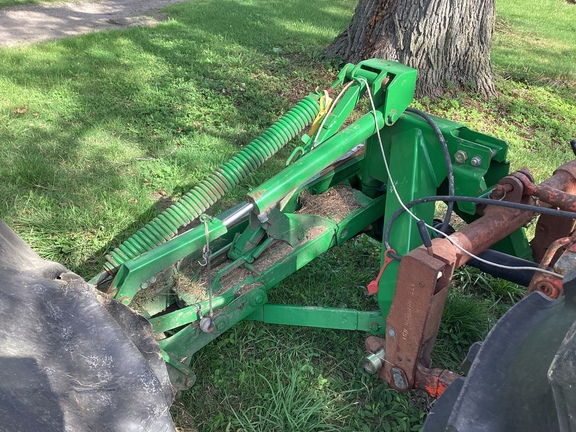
(425, 274)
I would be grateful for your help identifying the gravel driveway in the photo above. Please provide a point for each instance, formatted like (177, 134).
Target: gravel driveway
(20, 25)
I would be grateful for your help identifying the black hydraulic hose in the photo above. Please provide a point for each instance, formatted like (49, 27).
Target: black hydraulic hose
(476, 200)
(495, 257)
(447, 160)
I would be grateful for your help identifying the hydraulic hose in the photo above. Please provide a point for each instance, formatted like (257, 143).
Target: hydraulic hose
(165, 226)
(447, 160)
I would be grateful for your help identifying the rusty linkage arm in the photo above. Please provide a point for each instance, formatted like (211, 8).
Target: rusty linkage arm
(423, 278)
(554, 240)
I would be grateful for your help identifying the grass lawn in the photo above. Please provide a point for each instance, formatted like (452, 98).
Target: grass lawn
(98, 132)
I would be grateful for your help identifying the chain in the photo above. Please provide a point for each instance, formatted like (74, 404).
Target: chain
(207, 324)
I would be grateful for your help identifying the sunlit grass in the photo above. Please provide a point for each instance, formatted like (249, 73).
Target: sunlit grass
(535, 42)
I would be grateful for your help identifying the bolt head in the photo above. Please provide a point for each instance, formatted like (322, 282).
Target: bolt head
(476, 161)
(222, 322)
(189, 382)
(399, 379)
(460, 156)
(207, 325)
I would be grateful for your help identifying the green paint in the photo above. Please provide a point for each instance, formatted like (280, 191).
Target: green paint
(279, 238)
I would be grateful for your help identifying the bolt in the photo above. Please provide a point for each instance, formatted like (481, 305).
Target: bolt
(207, 325)
(460, 156)
(143, 285)
(257, 299)
(548, 289)
(373, 362)
(399, 379)
(476, 161)
(222, 322)
(391, 333)
(263, 217)
(189, 382)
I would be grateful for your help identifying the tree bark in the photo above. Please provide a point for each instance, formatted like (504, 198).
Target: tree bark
(448, 41)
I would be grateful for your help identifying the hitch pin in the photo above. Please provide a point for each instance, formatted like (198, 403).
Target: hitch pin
(373, 286)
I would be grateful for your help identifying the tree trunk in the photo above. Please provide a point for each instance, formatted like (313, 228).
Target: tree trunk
(448, 41)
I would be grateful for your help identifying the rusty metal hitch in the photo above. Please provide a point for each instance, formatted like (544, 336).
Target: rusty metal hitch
(423, 279)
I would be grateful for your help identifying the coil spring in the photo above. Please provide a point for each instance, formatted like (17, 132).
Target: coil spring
(165, 226)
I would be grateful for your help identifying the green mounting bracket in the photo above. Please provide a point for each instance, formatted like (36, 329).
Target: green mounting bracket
(133, 273)
(393, 85)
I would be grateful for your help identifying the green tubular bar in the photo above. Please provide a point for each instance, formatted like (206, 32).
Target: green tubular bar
(207, 192)
(267, 195)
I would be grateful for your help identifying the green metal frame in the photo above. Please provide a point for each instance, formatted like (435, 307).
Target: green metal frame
(276, 239)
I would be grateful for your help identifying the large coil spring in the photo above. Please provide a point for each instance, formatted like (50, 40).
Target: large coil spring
(208, 191)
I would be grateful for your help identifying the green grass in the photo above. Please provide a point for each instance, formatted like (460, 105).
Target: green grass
(99, 131)
(302, 379)
(534, 43)
(112, 121)
(476, 301)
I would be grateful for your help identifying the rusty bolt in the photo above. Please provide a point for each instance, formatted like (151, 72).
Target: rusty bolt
(548, 289)
(501, 190)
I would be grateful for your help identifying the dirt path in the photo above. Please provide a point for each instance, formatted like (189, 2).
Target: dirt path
(20, 25)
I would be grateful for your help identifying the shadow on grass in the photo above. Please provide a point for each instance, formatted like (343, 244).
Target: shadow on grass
(96, 125)
(96, 128)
